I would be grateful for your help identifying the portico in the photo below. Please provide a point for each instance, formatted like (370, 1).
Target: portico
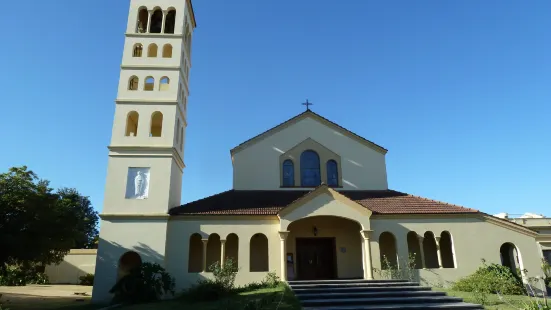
(325, 235)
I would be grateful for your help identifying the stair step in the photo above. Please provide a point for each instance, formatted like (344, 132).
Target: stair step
(380, 301)
(461, 306)
(362, 289)
(343, 281)
(358, 284)
(362, 294)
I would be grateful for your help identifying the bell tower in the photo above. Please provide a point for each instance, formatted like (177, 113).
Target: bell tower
(146, 151)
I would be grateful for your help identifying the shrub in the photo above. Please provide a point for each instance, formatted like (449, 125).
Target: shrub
(222, 285)
(147, 283)
(156, 278)
(87, 279)
(271, 280)
(493, 279)
(205, 290)
(225, 276)
(16, 274)
(391, 271)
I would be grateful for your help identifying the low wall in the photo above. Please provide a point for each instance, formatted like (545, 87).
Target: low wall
(77, 263)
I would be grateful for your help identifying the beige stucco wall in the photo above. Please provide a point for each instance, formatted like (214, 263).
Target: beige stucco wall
(473, 239)
(181, 229)
(76, 263)
(257, 166)
(164, 184)
(145, 236)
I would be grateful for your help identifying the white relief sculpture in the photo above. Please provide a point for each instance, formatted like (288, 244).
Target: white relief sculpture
(137, 184)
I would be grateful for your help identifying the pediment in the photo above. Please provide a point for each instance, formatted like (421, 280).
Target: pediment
(316, 117)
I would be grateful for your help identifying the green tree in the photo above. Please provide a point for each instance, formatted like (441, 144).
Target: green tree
(38, 225)
(84, 217)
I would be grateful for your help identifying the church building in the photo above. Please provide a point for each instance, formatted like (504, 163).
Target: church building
(310, 199)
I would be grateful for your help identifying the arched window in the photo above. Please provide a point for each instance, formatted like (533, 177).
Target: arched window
(332, 173)
(167, 51)
(213, 250)
(156, 21)
(170, 21)
(232, 248)
(149, 83)
(195, 261)
(132, 124)
(143, 16)
(309, 169)
(388, 252)
(152, 50)
(288, 173)
(446, 250)
(138, 49)
(429, 250)
(259, 253)
(133, 83)
(164, 84)
(156, 124)
(414, 250)
(128, 262)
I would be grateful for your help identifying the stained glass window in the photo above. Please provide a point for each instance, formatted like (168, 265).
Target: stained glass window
(332, 173)
(288, 173)
(309, 169)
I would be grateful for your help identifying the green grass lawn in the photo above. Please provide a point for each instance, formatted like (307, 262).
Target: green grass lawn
(281, 298)
(509, 302)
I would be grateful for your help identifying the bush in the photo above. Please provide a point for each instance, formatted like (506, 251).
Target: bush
(147, 283)
(492, 279)
(225, 276)
(87, 279)
(222, 285)
(20, 275)
(271, 280)
(205, 290)
(156, 278)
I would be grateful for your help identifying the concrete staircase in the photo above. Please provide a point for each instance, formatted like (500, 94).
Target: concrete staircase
(373, 294)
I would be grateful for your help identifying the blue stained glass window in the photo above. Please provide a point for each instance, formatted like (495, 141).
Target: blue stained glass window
(310, 169)
(332, 173)
(288, 173)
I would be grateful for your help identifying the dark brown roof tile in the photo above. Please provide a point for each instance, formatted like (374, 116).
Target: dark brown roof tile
(270, 202)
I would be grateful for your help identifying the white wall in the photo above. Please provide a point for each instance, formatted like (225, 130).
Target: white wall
(257, 166)
(77, 263)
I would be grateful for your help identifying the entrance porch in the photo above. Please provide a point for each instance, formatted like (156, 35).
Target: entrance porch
(325, 236)
(325, 248)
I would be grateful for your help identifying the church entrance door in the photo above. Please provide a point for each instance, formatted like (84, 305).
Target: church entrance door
(316, 258)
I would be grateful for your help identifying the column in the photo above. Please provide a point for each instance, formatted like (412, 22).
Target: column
(164, 20)
(368, 270)
(149, 14)
(283, 239)
(438, 252)
(421, 251)
(205, 254)
(222, 252)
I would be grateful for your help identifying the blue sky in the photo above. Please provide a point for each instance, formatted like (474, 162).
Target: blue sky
(459, 92)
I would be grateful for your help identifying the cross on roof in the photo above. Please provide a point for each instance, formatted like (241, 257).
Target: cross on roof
(307, 104)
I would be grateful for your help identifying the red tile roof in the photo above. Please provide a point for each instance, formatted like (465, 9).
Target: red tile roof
(270, 202)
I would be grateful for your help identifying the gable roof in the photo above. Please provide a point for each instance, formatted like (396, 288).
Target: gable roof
(300, 117)
(271, 202)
